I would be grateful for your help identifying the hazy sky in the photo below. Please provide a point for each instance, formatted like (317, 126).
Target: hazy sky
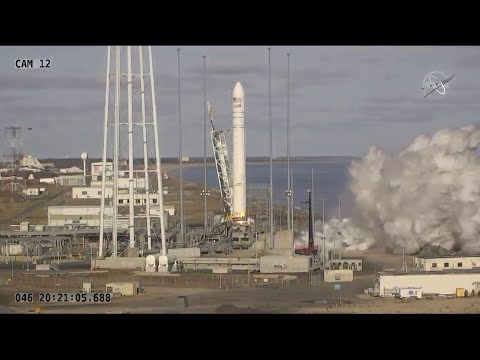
(343, 99)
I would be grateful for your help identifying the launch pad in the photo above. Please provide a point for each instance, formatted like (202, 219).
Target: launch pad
(236, 230)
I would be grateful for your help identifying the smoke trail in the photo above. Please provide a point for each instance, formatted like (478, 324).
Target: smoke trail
(427, 194)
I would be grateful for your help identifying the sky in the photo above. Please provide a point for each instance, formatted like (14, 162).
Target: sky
(343, 99)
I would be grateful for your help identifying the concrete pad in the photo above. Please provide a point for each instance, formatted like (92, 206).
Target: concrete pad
(222, 270)
(144, 273)
(119, 263)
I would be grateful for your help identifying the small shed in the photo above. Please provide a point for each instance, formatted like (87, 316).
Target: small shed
(286, 264)
(123, 288)
(340, 275)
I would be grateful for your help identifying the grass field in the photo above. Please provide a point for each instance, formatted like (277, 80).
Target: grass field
(35, 210)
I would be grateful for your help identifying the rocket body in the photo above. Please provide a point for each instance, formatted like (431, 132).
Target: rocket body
(239, 155)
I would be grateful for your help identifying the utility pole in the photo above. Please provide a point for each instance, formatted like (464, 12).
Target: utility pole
(272, 241)
(131, 185)
(116, 153)
(313, 204)
(291, 205)
(289, 193)
(340, 220)
(104, 156)
(180, 150)
(205, 226)
(324, 234)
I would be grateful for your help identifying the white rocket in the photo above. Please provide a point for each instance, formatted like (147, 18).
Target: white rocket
(239, 155)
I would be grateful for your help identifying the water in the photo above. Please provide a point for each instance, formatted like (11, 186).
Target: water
(331, 180)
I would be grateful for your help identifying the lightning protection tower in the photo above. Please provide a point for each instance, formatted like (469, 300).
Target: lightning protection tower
(15, 146)
(145, 201)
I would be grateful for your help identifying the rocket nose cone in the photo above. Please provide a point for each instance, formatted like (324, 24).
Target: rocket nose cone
(238, 90)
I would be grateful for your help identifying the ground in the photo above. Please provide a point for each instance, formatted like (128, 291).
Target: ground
(204, 294)
(33, 209)
(297, 298)
(192, 198)
(312, 299)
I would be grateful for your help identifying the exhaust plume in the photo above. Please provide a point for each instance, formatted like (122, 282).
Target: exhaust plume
(427, 194)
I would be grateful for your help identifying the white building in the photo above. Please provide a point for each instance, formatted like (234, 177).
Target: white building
(25, 226)
(123, 183)
(96, 170)
(31, 192)
(95, 189)
(446, 263)
(140, 199)
(85, 216)
(286, 264)
(71, 170)
(47, 180)
(80, 216)
(71, 180)
(338, 275)
(90, 193)
(33, 170)
(339, 264)
(123, 195)
(31, 163)
(442, 283)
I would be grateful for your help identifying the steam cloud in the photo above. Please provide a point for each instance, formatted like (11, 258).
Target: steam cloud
(428, 194)
(352, 236)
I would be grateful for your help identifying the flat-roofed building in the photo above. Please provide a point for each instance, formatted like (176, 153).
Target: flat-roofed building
(441, 263)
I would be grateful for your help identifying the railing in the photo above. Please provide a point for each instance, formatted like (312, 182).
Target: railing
(37, 258)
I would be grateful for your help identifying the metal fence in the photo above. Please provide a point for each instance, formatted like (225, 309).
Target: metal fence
(74, 282)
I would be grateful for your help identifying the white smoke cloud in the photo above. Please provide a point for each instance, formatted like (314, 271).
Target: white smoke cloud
(427, 194)
(348, 238)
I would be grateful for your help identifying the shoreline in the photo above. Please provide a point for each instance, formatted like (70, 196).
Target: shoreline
(170, 167)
